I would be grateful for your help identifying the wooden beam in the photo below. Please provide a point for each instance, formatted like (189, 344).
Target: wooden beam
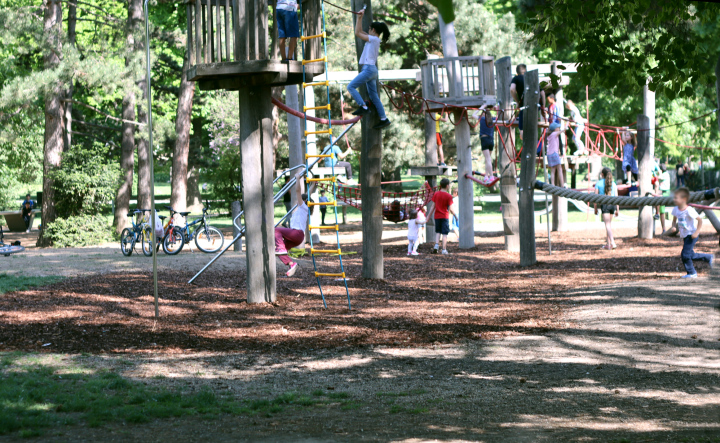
(508, 183)
(466, 188)
(241, 41)
(527, 170)
(645, 216)
(256, 148)
(189, 49)
(228, 33)
(198, 33)
(211, 34)
(218, 33)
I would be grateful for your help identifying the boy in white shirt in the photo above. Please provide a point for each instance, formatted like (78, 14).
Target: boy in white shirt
(684, 218)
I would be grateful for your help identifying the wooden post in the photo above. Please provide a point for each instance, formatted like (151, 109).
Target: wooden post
(370, 173)
(645, 216)
(431, 155)
(466, 188)
(296, 155)
(235, 209)
(527, 170)
(649, 110)
(560, 205)
(256, 148)
(508, 184)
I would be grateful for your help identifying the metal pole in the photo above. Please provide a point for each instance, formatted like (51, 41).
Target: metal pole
(152, 156)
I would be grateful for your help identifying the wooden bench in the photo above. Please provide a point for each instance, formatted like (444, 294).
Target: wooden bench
(15, 222)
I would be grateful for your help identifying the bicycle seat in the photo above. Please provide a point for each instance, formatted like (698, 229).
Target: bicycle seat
(184, 214)
(162, 217)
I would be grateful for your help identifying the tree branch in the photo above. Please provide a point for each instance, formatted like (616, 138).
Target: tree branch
(95, 125)
(104, 113)
(85, 134)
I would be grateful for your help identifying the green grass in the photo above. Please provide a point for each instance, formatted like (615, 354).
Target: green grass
(36, 396)
(9, 283)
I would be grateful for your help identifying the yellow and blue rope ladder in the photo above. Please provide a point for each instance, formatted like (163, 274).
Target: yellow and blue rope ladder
(332, 179)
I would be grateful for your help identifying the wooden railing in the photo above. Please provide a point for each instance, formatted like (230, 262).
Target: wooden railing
(475, 83)
(223, 31)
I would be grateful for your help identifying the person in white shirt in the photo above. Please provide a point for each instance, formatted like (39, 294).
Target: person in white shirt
(415, 224)
(288, 238)
(684, 219)
(368, 75)
(579, 121)
(288, 28)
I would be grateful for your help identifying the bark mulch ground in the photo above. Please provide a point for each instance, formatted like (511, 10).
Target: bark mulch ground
(469, 295)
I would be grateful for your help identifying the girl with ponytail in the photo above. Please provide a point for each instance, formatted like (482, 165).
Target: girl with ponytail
(607, 186)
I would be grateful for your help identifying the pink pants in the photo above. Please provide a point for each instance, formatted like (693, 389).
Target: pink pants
(285, 239)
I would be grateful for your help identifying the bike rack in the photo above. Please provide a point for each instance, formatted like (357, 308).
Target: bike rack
(284, 190)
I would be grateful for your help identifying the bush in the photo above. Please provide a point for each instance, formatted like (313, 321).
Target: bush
(81, 230)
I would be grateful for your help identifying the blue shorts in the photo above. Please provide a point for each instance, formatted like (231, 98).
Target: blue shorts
(442, 226)
(520, 121)
(288, 24)
(554, 159)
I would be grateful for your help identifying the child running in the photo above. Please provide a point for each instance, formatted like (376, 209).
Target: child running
(368, 75)
(442, 200)
(684, 218)
(288, 238)
(607, 186)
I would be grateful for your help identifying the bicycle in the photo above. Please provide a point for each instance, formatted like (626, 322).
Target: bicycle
(140, 230)
(173, 239)
(208, 239)
(6, 250)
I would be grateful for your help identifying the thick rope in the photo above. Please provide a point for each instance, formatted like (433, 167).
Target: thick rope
(621, 200)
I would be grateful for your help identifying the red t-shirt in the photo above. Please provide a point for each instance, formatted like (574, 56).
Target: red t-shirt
(442, 201)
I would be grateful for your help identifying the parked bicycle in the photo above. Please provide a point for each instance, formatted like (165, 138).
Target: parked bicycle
(6, 250)
(207, 238)
(140, 231)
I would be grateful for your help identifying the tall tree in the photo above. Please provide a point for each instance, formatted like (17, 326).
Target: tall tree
(179, 180)
(53, 143)
(71, 39)
(144, 149)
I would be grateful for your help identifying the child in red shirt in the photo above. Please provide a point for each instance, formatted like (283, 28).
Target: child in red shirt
(442, 200)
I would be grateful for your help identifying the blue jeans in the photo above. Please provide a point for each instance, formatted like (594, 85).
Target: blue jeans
(688, 254)
(368, 76)
(288, 24)
(579, 129)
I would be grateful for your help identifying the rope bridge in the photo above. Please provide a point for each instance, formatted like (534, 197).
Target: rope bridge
(396, 205)
(712, 194)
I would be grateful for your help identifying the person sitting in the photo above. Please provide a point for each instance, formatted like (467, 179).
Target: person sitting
(288, 238)
(27, 200)
(394, 212)
(27, 214)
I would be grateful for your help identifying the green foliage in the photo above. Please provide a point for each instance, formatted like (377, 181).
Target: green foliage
(80, 230)
(9, 283)
(85, 182)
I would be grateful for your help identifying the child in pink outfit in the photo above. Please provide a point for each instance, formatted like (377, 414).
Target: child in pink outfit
(288, 238)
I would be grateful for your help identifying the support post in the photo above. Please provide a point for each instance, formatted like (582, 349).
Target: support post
(296, 156)
(256, 148)
(508, 185)
(370, 172)
(560, 205)
(235, 209)
(431, 159)
(649, 110)
(466, 188)
(527, 170)
(645, 217)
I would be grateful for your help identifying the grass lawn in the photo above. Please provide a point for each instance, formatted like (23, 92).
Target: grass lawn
(9, 283)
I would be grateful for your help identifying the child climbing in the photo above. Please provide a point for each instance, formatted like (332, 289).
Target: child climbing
(684, 218)
(554, 160)
(577, 118)
(629, 164)
(438, 138)
(607, 186)
(414, 226)
(368, 75)
(487, 141)
(323, 209)
(442, 201)
(288, 28)
(288, 238)
(337, 160)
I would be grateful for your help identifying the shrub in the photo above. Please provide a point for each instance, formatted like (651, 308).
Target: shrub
(80, 230)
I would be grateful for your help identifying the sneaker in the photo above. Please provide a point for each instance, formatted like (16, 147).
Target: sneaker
(361, 111)
(444, 252)
(383, 124)
(689, 276)
(414, 253)
(442, 164)
(293, 269)
(435, 249)
(656, 216)
(281, 253)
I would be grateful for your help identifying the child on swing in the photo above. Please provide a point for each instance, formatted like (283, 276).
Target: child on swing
(368, 75)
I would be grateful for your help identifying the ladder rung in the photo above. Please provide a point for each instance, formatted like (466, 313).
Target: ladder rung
(325, 83)
(325, 251)
(326, 131)
(307, 156)
(325, 179)
(322, 203)
(302, 39)
(325, 274)
(335, 227)
(321, 59)
(305, 108)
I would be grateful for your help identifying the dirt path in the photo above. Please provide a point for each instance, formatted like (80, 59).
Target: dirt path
(633, 362)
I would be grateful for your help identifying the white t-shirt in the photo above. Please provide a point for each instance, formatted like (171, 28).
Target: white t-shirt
(686, 220)
(299, 218)
(370, 51)
(413, 229)
(287, 5)
(575, 114)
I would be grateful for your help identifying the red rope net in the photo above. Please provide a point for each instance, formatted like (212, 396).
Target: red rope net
(396, 205)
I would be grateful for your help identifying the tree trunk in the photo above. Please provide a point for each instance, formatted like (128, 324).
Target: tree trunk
(296, 156)
(179, 179)
(135, 17)
(528, 255)
(71, 22)
(717, 85)
(645, 217)
(53, 142)
(194, 198)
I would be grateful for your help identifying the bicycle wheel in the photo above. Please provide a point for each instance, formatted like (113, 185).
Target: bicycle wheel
(173, 242)
(127, 242)
(7, 250)
(209, 239)
(146, 241)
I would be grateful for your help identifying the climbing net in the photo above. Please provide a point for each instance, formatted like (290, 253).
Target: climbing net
(396, 205)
